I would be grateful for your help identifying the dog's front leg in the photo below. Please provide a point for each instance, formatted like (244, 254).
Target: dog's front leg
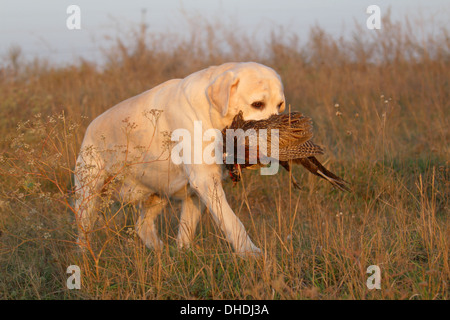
(208, 185)
(190, 215)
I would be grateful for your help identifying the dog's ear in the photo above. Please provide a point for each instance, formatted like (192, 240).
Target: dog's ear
(220, 91)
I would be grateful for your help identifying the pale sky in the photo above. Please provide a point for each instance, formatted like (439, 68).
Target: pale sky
(39, 27)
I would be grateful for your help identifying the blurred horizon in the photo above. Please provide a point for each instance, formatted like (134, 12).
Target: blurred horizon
(39, 29)
(379, 100)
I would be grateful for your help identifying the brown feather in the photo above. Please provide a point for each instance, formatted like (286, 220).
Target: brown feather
(294, 141)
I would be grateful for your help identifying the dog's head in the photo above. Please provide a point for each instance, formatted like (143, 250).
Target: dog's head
(252, 88)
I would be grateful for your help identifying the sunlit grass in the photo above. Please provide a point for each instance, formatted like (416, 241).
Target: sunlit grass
(380, 111)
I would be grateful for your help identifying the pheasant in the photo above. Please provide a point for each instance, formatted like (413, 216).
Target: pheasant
(295, 146)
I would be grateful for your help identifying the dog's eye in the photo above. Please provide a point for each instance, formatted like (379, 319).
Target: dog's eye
(258, 104)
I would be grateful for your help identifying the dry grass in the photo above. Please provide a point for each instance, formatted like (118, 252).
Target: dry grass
(380, 107)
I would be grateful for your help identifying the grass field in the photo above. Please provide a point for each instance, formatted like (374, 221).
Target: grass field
(380, 108)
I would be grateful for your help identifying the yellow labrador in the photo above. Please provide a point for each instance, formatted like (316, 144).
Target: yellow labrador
(126, 144)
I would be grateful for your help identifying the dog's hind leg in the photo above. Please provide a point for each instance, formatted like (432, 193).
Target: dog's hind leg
(88, 185)
(86, 204)
(145, 225)
(190, 215)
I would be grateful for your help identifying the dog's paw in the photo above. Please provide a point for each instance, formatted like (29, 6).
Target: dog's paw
(253, 253)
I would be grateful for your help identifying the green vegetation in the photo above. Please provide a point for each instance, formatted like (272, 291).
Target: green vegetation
(380, 108)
